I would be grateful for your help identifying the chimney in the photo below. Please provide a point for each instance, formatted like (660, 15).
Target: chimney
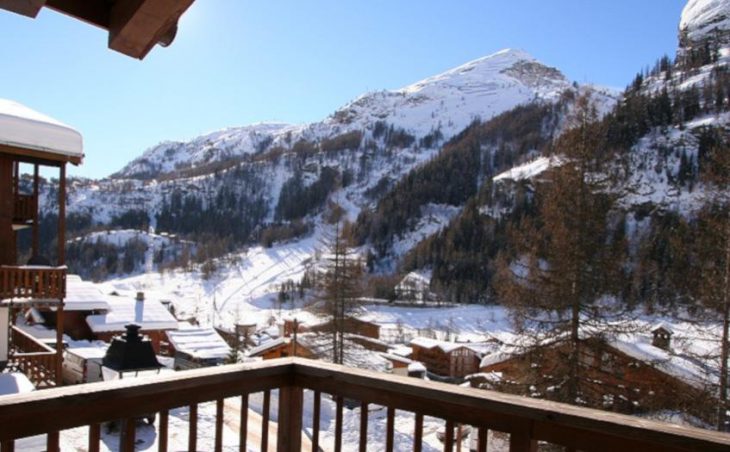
(140, 296)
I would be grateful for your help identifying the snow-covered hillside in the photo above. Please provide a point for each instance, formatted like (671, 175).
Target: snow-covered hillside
(447, 102)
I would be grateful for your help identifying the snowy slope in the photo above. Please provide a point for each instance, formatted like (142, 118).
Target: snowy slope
(481, 89)
(448, 102)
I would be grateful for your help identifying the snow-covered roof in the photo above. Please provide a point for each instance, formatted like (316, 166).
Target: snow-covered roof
(446, 347)
(22, 127)
(201, 343)
(267, 346)
(15, 383)
(84, 296)
(148, 314)
(662, 326)
(396, 358)
(89, 352)
(416, 366)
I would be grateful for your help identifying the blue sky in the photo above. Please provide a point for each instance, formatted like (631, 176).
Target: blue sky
(236, 62)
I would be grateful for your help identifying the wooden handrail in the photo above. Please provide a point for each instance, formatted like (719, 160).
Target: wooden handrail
(26, 343)
(527, 420)
(35, 282)
(35, 359)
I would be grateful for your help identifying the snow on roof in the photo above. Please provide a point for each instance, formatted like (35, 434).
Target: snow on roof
(396, 358)
(84, 296)
(446, 347)
(15, 383)
(23, 127)
(662, 326)
(267, 346)
(89, 352)
(416, 366)
(202, 343)
(640, 347)
(148, 314)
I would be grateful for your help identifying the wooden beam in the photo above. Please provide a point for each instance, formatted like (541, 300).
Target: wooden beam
(92, 12)
(62, 216)
(41, 157)
(29, 8)
(135, 26)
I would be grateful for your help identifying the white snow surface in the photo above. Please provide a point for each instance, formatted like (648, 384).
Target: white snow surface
(700, 18)
(528, 170)
(23, 127)
(480, 89)
(202, 343)
(15, 383)
(148, 314)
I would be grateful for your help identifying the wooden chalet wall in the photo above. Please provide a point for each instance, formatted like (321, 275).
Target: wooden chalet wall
(456, 363)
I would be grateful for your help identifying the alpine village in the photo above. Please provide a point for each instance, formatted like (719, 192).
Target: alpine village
(495, 258)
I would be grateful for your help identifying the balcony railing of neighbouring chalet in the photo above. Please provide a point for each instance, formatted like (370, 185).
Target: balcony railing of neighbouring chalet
(25, 207)
(30, 281)
(35, 359)
(527, 421)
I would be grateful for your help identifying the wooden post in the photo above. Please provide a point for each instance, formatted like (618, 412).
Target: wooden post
(36, 228)
(62, 216)
(7, 206)
(59, 343)
(290, 419)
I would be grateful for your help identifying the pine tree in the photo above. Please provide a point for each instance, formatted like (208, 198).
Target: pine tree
(714, 258)
(340, 287)
(568, 262)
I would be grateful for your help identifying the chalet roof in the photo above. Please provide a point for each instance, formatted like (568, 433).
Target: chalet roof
(148, 314)
(22, 128)
(446, 347)
(201, 343)
(662, 326)
(84, 296)
(268, 345)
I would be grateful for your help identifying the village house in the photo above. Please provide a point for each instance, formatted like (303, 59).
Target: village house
(415, 287)
(447, 359)
(627, 374)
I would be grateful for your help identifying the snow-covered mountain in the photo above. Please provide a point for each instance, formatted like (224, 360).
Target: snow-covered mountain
(702, 19)
(447, 102)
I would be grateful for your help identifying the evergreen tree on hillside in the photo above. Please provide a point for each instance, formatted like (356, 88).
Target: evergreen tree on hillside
(340, 287)
(565, 263)
(713, 255)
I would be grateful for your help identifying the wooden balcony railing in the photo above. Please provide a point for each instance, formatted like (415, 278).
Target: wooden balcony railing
(527, 421)
(35, 359)
(25, 208)
(29, 281)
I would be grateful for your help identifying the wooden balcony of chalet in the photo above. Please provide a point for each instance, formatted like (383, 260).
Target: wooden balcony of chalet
(526, 421)
(33, 282)
(33, 358)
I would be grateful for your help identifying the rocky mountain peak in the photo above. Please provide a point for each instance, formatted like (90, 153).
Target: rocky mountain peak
(705, 19)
